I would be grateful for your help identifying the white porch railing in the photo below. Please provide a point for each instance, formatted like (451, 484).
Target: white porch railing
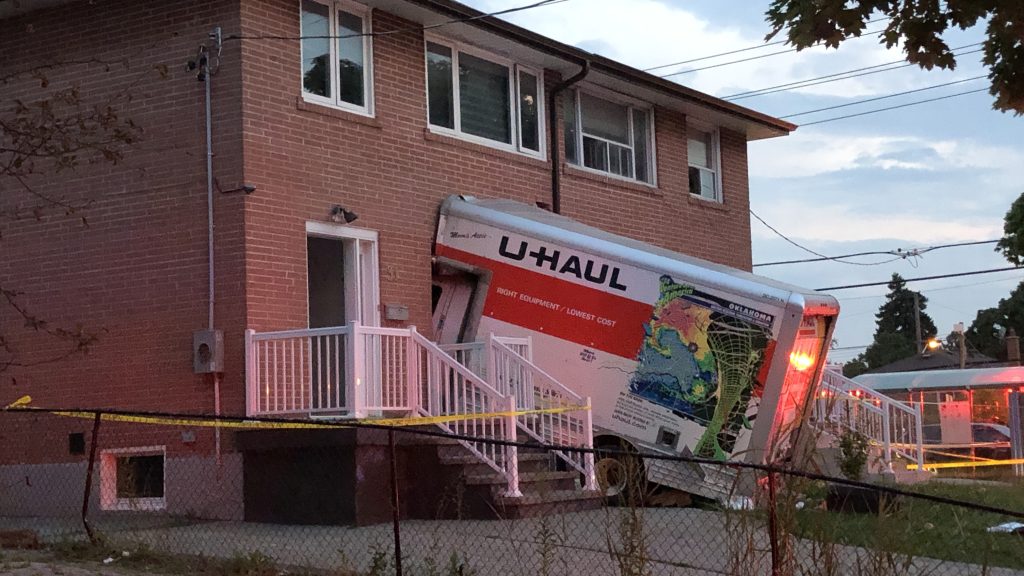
(842, 404)
(473, 355)
(357, 371)
(515, 375)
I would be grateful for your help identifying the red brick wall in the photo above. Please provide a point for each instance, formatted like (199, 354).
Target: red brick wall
(394, 173)
(139, 270)
(137, 274)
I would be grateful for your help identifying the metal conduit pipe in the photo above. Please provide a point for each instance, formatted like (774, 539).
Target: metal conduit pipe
(556, 168)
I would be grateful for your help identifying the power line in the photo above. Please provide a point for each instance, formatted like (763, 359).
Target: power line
(930, 290)
(887, 108)
(740, 61)
(920, 278)
(835, 77)
(819, 254)
(898, 252)
(729, 63)
(749, 48)
(893, 95)
(398, 30)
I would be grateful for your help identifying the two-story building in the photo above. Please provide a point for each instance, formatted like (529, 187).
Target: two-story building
(297, 185)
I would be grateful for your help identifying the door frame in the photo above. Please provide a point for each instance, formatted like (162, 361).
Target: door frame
(359, 245)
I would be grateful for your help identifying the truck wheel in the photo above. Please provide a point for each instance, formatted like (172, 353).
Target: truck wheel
(620, 474)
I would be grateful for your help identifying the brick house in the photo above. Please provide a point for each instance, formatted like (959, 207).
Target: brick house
(378, 127)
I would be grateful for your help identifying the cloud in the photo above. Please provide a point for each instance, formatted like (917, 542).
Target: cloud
(813, 153)
(835, 222)
(652, 33)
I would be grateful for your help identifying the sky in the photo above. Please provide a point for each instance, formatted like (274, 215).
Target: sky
(936, 173)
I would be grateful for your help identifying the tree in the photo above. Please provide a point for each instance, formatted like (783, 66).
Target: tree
(919, 27)
(52, 134)
(1012, 242)
(987, 331)
(896, 331)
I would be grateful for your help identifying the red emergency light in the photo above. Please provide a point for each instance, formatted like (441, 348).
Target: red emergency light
(801, 361)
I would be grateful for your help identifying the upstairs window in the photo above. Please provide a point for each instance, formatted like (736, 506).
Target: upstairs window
(702, 155)
(336, 54)
(483, 99)
(609, 136)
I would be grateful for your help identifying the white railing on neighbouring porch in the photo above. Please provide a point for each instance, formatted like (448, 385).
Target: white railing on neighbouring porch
(358, 371)
(841, 404)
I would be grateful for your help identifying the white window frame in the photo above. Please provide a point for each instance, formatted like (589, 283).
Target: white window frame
(716, 157)
(631, 104)
(514, 70)
(363, 12)
(362, 262)
(109, 499)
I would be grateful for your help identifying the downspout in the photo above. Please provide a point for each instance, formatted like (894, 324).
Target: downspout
(556, 172)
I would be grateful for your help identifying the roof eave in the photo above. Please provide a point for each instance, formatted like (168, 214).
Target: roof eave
(762, 125)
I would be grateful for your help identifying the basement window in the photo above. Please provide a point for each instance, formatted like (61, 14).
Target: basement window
(336, 55)
(133, 479)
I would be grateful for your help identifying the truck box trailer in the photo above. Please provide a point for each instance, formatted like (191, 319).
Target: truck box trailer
(678, 355)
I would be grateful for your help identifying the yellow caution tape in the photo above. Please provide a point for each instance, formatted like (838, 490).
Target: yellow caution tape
(971, 464)
(200, 421)
(19, 403)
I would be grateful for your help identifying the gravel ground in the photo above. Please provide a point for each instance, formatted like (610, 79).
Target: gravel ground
(681, 541)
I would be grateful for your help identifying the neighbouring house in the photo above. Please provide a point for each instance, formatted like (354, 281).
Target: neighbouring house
(336, 129)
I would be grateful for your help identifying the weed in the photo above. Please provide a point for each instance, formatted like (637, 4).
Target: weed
(253, 564)
(380, 560)
(853, 454)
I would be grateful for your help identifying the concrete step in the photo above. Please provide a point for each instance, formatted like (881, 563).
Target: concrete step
(532, 505)
(471, 465)
(554, 480)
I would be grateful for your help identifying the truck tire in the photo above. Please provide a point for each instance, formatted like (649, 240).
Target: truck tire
(620, 473)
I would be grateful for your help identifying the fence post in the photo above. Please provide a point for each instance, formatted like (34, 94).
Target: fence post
(88, 478)
(512, 452)
(590, 482)
(251, 383)
(357, 362)
(773, 526)
(395, 515)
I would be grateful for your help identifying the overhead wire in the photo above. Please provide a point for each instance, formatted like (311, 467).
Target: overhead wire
(751, 58)
(897, 107)
(920, 278)
(887, 96)
(819, 254)
(749, 48)
(409, 29)
(899, 251)
(837, 76)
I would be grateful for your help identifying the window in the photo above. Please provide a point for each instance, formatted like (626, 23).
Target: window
(483, 99)
(702, 155)
(133, 479)
(336, 54)
(609, 136)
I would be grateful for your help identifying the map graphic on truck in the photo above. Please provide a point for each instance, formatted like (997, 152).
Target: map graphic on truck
(701, 362)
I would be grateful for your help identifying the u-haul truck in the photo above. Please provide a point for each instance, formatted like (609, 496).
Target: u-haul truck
(678, 355)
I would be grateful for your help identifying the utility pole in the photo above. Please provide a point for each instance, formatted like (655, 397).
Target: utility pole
(959, 329)
(917, 322)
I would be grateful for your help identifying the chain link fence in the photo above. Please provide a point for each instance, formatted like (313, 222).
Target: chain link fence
(263, 497)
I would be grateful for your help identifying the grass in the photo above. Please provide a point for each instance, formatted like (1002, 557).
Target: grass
(141, 558)
(918, 528)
